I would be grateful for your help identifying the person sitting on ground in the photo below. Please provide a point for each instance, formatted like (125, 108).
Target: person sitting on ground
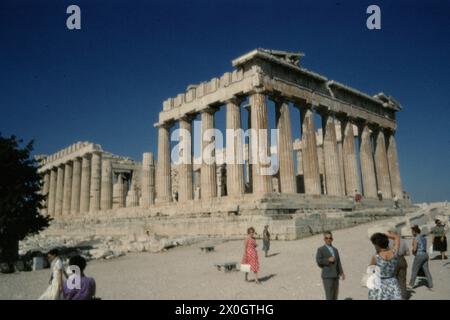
(87, 284)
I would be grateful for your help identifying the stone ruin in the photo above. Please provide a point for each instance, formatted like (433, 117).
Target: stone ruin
(93, 193)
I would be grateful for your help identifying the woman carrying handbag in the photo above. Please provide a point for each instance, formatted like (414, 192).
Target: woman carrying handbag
(250, 255)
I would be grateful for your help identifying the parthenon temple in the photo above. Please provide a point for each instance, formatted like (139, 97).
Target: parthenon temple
(353, 152)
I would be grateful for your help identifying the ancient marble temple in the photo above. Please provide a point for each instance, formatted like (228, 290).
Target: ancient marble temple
(341, 167)
(354, 151)
(83, 178)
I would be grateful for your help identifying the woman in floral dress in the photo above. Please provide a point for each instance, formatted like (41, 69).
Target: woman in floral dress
(250, 254)
(387, 286)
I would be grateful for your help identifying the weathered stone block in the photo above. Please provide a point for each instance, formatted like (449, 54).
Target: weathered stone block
(168, 104)
(237, 75)
(190, 95)
(200, 90)
(179, 100)
(212, 85)
(225, 80)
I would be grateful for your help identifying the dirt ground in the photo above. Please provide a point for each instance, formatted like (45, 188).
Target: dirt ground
(187, 273)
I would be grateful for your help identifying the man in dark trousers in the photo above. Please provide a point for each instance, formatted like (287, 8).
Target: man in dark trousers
(327, 258)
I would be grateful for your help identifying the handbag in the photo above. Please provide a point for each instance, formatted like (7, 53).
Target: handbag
(371, 278)
(245, 268)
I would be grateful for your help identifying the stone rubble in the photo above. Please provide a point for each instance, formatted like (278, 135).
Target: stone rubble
(424, 218)
(97, 247)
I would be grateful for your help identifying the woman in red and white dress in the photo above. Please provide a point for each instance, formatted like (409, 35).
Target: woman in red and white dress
(250, 254)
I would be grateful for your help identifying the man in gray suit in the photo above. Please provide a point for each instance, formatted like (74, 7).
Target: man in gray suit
(328, 259)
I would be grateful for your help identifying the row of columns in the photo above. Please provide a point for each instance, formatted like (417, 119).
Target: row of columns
(86, 185)
(378, 159)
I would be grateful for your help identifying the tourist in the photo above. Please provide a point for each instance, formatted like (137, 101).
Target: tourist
(396, 206)
(402, 265)
(327, 258)
(419, 250)
(386, 260)
(266, 240)
(358, 196)
(54, 290)
(439, 239)
(250, 254)
(380, 195)
(87, 284)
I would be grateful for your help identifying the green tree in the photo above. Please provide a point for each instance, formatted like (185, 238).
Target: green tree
(20, 200)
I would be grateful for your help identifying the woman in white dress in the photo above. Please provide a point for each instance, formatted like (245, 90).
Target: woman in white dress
(54, 290)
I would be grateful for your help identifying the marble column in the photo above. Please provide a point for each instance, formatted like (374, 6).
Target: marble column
(163, 170)
(349, 158)
(221, 180)
(119, 193)
(85, 184)
(151, 183)
(45, 191)
(132, 199)
(52, 192)
(367, 166)
(248, 148)
(285, 147)
(339, 139)
(197, 179)
(309, 152)
(208, 169)
(185, 185)
(320, 156)
(76, 186)
(147, 180)
(59, 191)
(260, 145)
(381, 165)
(96, 173)
(394, 170)
(299, 178)
(331, 157)
(67, 188)
(106, 186)
(299, 162)
(235, 150)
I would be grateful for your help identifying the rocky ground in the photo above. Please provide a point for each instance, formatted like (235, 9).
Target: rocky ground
(99, 247)
(185, 272)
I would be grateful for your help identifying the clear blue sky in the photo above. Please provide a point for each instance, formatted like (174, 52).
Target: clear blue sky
(106, 82)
